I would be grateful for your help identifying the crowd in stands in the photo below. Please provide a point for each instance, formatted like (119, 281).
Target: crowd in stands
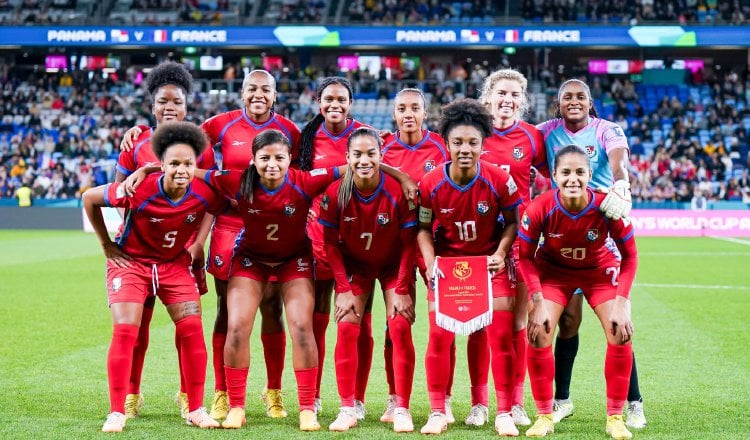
(410, 12)
(636, 12)
(59, 133)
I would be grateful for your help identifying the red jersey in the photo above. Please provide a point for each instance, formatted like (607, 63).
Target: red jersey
(575, 240)
(139, 155)
(415, 160)
(466, 217)
(516, 150)
(369, 229)
(236, 132)
(156, 229)
(329, 150)
(274, 223)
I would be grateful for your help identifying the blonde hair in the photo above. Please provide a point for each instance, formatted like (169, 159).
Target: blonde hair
(511, 75)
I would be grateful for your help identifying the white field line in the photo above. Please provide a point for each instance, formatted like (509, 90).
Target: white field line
(731, 240)
(692, 286)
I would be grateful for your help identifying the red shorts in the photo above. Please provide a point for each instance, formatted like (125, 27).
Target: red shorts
(298, 267)
(220, 251)
(172, 282)
(323, 270)
(502, 286)
(365, 283)
(559, 284)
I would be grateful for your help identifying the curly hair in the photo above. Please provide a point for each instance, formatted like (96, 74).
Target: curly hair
(169, 72)
(465, 111)
(171, 133)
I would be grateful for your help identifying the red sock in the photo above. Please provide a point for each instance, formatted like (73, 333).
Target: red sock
(274, 352)
(320, 325)
(193, 358)
(139, 351)
(365, 346)
(500, 334)
(236, 385)
(217, 344)
(437, 364)
(306, 387)
(541, 375)
(346, 359)
(617, 365)
(478, 356)
(519, 345)
(404, 359)
(119, 361)
(388, 358)
(449, 386)
(178, 346)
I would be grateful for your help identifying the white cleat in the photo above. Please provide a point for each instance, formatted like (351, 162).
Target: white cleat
(346, 420)
(201, 419)
(359, 409)
(390, 405)
(115, 422)
(520, 418)
(402, 421)
(634, 416)
(437, 423)
(478, 415)
(562, 409)
(504, 425)
(449, 410)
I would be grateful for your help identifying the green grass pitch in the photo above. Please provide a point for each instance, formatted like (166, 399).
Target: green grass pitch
(691, 305)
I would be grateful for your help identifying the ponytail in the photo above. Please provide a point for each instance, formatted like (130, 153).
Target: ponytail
(306, 142)
(249, 178)
(346, 189)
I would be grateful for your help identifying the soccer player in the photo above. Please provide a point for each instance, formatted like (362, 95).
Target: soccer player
(170, 85)
(575, 248)
(461, 202)
(515, 146)
(607, 148)
(231, 135)
(369, 235)
(149, 258)
(324, 144)
(273, 200)
(415, 151)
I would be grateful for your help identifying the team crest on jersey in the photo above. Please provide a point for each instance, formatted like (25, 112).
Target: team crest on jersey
(525, 222)
(429, 165)
(590, 150)
(462, 270)
(117, 284)
(483, 207)
(592, 234)
(383, 218)
(289, 209)
(324, 202)
(518, 153)
(246, 262)
(190, 218)
(218, 261)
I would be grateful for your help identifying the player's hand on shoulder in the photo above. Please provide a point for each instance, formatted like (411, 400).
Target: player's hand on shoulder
(128, 139)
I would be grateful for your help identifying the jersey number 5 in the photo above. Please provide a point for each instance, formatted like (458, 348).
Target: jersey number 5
(170, 238)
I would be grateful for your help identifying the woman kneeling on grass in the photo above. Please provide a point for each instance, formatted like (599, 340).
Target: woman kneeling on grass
(574, 232)
(149, 258)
